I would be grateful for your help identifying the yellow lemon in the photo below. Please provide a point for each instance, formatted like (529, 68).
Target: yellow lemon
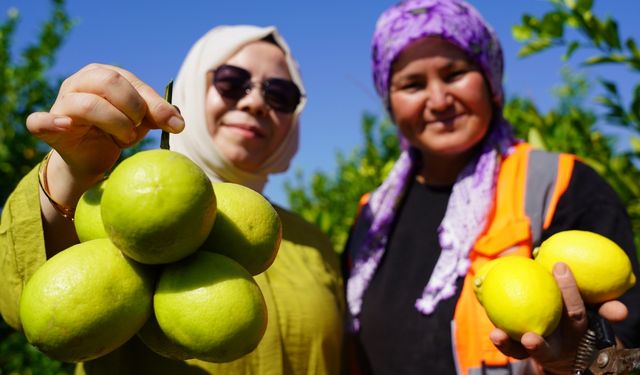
(158, 207)
(519, 296)
(210, 306)
(601, 268)
(481, 274)
(87, 218)
(247, 227)
(86, 301)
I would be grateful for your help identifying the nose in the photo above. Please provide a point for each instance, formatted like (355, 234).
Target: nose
(438, 97)
(253, 102)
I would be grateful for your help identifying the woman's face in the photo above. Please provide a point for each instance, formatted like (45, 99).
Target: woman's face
(247, 131)
(439, 99)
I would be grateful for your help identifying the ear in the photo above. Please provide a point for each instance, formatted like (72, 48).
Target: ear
(497, 101)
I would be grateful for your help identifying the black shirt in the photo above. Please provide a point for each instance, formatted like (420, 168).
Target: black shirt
(395, 338)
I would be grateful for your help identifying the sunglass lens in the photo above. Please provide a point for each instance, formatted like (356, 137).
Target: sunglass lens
(282, 95)
(231, 82)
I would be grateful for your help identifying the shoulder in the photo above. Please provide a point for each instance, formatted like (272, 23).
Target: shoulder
(590, 203)
(587, 184)
(297, 230)
(306, 250)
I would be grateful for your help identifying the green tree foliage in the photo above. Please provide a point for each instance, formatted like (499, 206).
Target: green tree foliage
(330, 200)
(24, 88)
(18, 357)
(572, 127)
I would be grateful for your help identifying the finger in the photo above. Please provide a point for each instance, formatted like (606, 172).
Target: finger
(42, 123)
(160, 114)
(573, 304)
(93, 110)
(140, 132)
(508, 347)
(614, 311)
(107, 82)
(535, 345)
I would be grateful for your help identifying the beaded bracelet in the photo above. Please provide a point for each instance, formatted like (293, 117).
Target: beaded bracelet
(66, 212)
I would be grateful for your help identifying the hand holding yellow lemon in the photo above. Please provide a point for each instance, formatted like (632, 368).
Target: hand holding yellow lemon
(601, 268)
(521, 295)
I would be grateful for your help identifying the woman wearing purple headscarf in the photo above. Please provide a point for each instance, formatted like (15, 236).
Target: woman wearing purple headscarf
(463, 192)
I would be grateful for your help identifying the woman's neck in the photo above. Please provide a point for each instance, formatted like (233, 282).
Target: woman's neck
(442, 170)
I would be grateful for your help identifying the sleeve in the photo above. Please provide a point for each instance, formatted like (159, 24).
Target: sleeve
(591, 204)
(22, 249)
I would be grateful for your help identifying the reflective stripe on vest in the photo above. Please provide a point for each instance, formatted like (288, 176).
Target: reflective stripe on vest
(529, 185)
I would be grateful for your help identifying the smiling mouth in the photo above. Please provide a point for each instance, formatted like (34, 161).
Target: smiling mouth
(443, 121)
(248, 130)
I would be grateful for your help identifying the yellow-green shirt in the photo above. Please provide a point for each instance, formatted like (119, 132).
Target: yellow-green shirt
(302, 289)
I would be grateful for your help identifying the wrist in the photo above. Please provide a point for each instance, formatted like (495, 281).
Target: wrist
(63, 186)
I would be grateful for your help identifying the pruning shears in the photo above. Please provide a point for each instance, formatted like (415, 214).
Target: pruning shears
(598, 354)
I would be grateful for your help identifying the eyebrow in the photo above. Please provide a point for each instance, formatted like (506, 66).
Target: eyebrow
(449, 65)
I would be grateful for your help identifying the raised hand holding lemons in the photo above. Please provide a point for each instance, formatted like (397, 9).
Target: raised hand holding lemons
(519, 296)
(158, 206)
(601, 268)
(85, 301)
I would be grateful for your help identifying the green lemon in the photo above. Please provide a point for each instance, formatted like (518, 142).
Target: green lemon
(210, 306)
(247, 227)
(88, 218)
(519, 296)
(158, 207)
(601, 268)
(86, 301)
(152, 336)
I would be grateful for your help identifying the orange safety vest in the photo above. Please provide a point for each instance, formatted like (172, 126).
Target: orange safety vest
(529, 185)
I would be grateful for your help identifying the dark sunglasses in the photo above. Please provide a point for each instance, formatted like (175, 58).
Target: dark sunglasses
(234, 83)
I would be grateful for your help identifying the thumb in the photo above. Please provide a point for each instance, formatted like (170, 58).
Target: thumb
(573, 303)
(42, 123)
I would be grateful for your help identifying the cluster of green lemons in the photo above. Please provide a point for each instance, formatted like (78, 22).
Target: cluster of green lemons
(164, 254)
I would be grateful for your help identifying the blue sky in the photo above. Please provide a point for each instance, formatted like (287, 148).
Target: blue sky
(329, 38)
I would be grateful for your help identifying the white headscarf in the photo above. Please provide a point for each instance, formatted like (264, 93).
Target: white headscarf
(190, 87)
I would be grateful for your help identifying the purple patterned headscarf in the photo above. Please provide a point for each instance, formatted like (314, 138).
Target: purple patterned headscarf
(473, 192)
(455, 21)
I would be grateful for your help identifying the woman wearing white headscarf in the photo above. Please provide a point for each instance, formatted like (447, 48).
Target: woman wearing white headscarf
(239, 134)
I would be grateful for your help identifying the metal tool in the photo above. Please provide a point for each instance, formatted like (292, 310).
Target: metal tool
(164, 137)
(597, 352)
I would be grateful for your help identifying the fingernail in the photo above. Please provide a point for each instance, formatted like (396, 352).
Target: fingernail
(62, 121)
(560, 268)
(176, 123)
(132, 136)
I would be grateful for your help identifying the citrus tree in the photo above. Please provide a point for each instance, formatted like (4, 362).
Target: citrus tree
(331, 200)
(25, 88)
(573, 27)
